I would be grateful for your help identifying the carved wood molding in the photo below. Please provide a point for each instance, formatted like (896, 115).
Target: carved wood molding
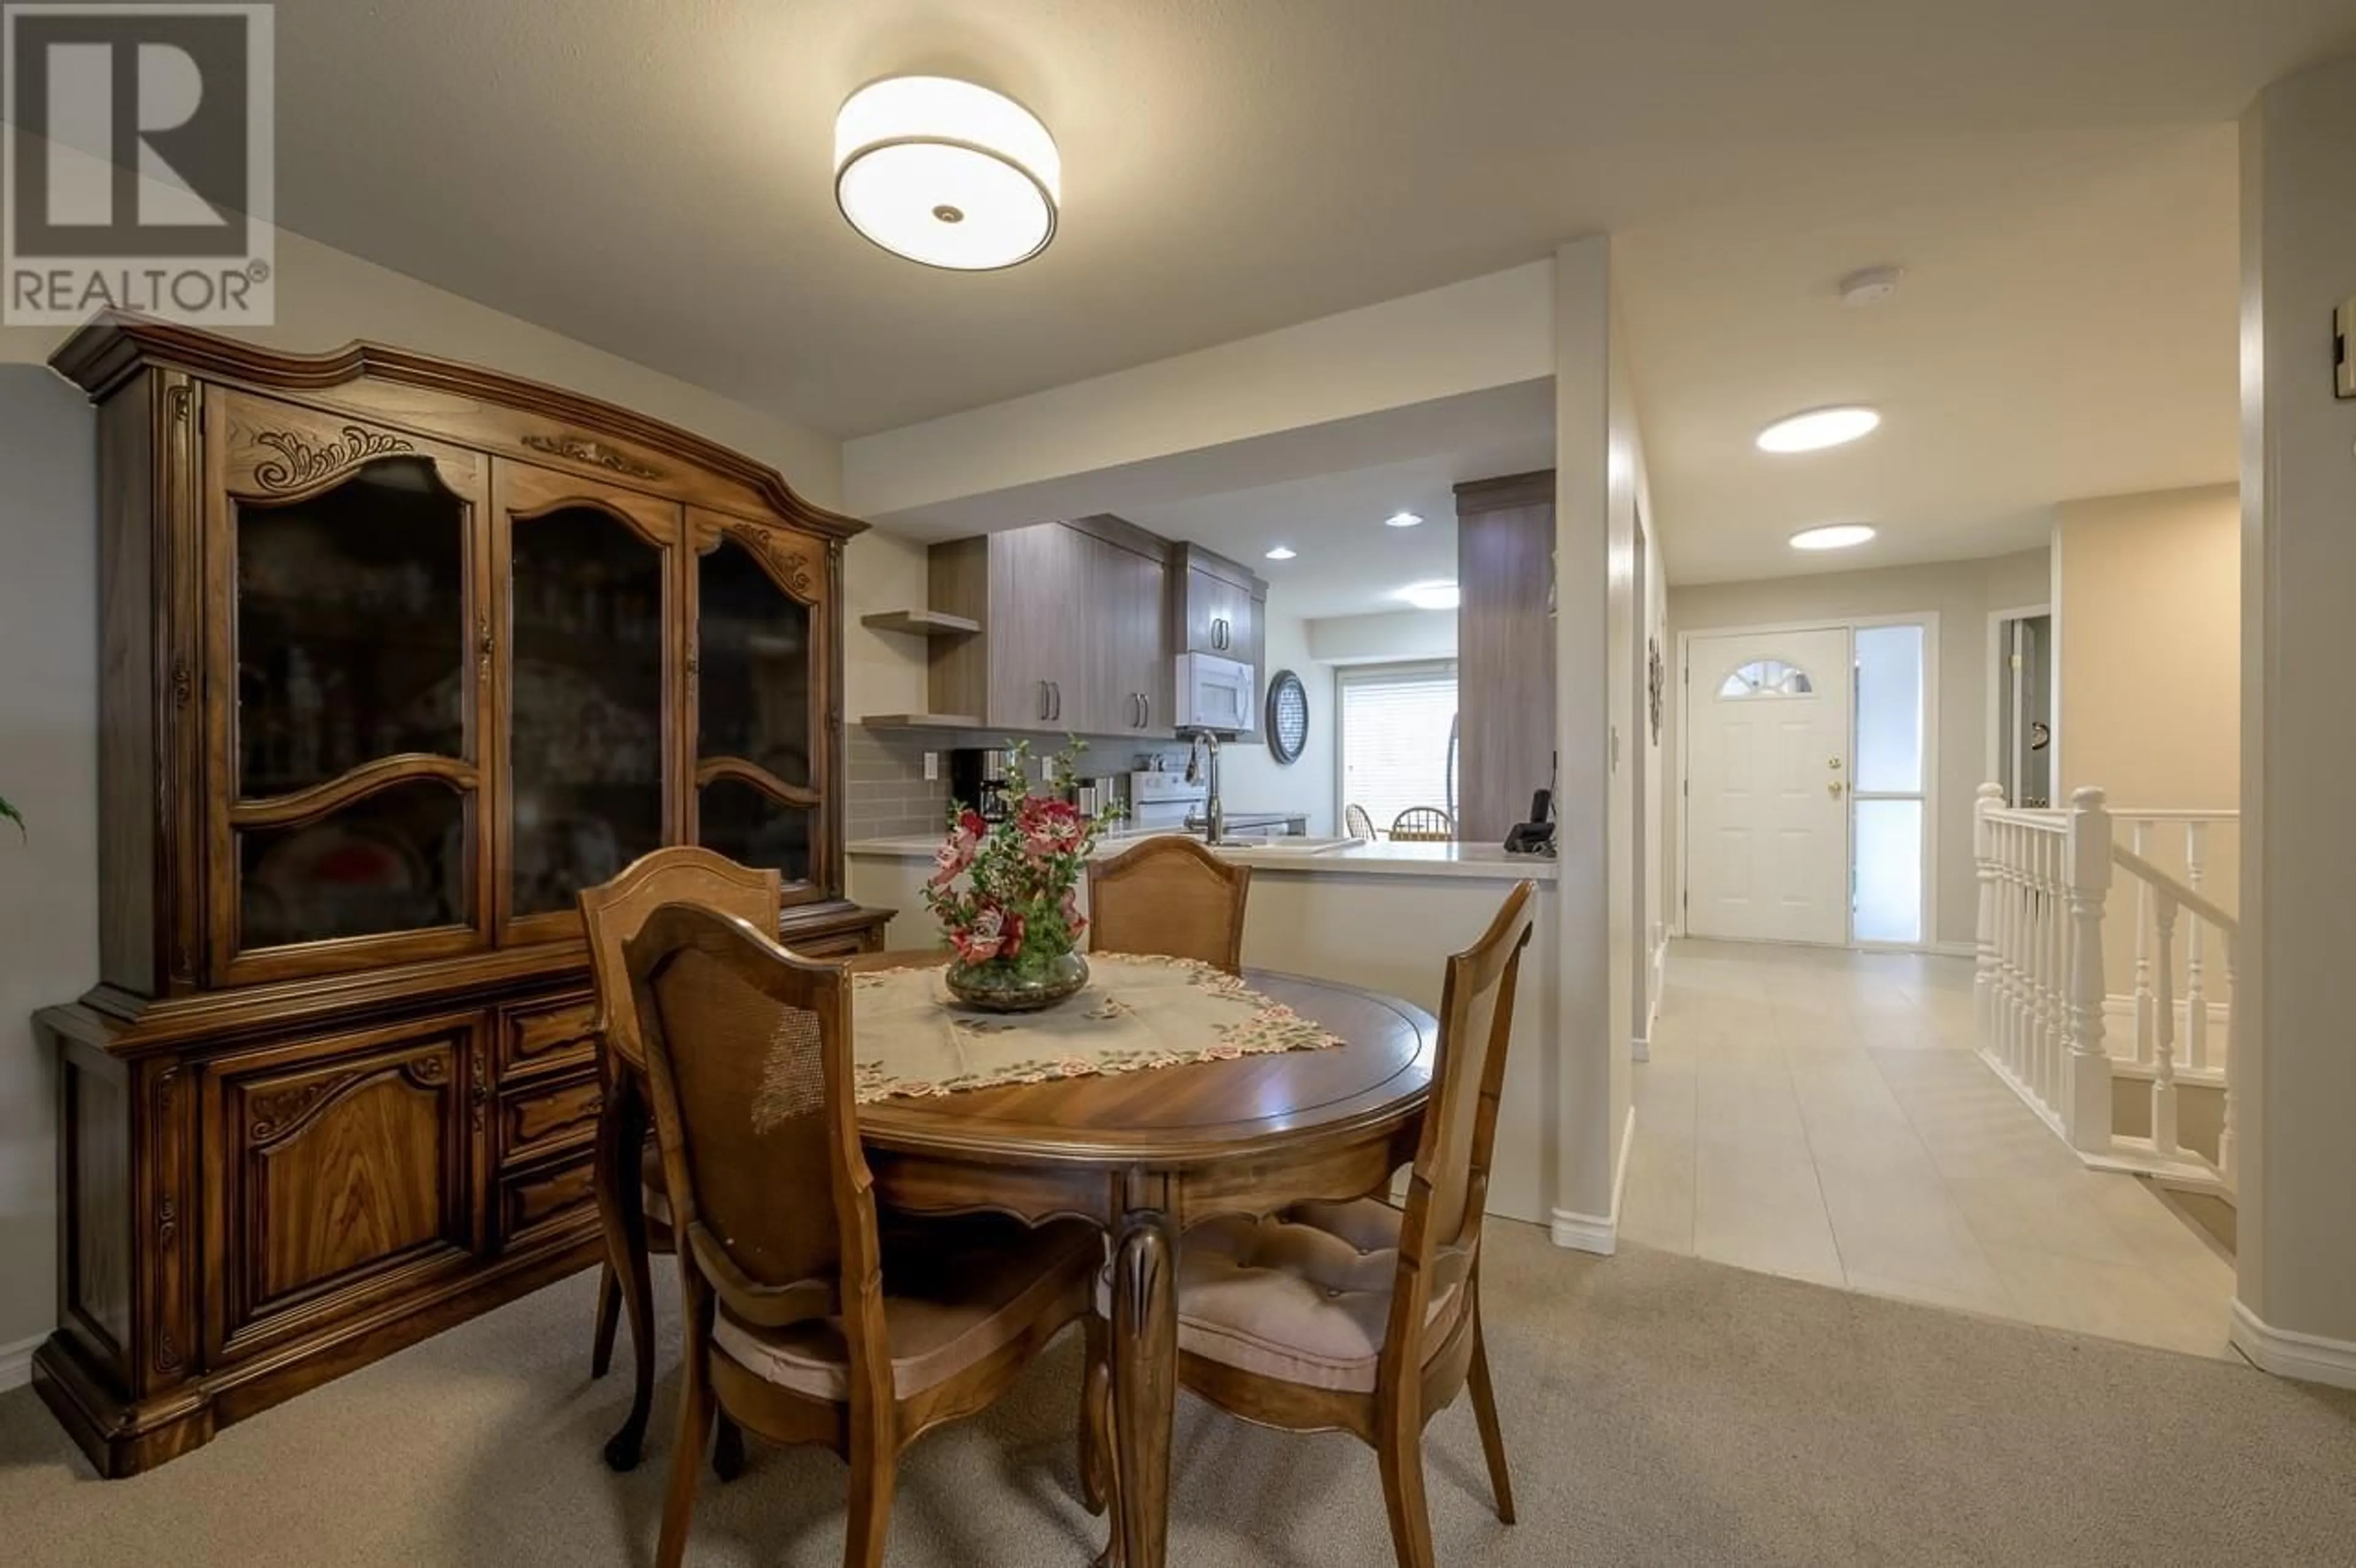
(790, 569)
(581, 449)
(300, 464)
(280, 1114)
(114, 345)
(759, 778)
(320, 800)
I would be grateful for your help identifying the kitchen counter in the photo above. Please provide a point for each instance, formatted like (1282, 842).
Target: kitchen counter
(1486, 862)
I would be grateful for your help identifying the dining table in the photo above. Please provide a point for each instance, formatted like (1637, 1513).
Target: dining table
(1144, 1155)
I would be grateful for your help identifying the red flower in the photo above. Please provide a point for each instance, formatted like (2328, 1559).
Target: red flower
(993, 933)
(957, 850)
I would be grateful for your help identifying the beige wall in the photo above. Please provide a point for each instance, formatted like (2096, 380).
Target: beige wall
(1250, 778)
(2296, 1097)
(2150, 624)
(1962, 594)
(1374, 639)
(883, 672)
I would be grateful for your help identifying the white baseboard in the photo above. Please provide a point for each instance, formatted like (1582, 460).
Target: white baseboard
(1599, 1233)
(16, 1362)
(1952, 949)
(2310, 1358)
(1638, 1049)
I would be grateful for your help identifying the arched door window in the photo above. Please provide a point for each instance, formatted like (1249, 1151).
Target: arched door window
(1766, 678)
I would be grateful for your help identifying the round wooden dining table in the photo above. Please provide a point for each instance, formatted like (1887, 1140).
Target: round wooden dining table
(1146, 1154)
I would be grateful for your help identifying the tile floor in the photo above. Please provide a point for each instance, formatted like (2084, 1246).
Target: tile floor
(1820, 1113)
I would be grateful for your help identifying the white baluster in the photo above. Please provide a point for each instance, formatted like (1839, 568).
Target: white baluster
(2229, 1164)
(2086, 1112)
(2142, 948)
(2163, 1067)
(1991, 796)
(2057, 965)
(2043, 1026)
(2196, 996)
(2015, 982)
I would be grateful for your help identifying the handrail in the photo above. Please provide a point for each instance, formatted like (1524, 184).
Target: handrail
(2183, 895)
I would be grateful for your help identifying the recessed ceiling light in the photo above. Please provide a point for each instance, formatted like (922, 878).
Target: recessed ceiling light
(1818, 428)
(945, 172)
(1436, 596)
(1282, 552)
(1401, 520)
(1836, 536)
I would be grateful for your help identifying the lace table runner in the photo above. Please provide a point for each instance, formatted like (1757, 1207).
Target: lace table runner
(1136, 1013)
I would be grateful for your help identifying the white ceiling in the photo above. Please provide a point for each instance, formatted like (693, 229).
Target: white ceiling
(653, 178)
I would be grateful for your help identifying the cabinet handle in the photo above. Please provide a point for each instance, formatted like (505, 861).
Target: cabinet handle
(1054, 700)
(1045, 711)
(1147, 700)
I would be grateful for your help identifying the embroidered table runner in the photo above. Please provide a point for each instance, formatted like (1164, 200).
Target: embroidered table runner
(1136, 1013)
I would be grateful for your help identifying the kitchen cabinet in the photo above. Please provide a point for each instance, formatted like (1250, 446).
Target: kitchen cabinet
(1222, 609)
(1073, 635)
(1504, 655)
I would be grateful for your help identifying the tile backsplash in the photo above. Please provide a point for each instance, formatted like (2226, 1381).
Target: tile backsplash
(890, 796)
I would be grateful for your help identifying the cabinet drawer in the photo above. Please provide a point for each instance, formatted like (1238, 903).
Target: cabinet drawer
(547, 1198)
(548, 1117)
(548, 1037)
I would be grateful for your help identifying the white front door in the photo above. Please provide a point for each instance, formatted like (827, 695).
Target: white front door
(1767, 737)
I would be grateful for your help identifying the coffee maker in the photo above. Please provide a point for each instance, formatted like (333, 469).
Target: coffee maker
(976, 778)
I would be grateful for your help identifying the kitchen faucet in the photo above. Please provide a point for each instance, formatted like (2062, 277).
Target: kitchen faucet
(1214, 816)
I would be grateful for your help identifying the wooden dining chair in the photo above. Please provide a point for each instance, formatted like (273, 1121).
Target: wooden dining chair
(633, 1199)
(1170, 896)
(1424, 825)
(803, 1324)
(1366, 1318)
(1357, 824)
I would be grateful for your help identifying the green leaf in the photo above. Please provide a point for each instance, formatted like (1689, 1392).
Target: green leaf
(12, 814)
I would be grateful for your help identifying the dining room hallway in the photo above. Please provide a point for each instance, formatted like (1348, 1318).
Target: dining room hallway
(1820, 1113)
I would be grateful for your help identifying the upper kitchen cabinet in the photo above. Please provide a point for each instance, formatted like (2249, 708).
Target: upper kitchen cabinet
(1072, 639)
(1221, 608)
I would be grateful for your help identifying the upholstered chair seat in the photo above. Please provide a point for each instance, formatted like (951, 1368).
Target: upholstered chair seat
(1303, 1296)
(953, 1293)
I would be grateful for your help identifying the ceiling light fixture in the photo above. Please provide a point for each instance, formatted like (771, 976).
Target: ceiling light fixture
(945, 172)
(1818, 428)
(1834, 536)
(1282, 552)
(1436, 596)
(1401, 520)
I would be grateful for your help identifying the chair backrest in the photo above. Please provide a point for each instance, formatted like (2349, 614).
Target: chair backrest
(1170, 896)
(1423, 824)
(1356, 823)
(749, 1067)
(1449, 1185)
(614, 911)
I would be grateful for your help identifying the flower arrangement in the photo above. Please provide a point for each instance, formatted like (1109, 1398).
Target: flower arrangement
(1006, 892)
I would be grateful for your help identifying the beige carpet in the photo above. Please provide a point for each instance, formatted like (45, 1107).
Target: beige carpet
(1659, 1410)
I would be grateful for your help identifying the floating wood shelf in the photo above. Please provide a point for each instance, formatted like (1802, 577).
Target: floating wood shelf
(922, 722)
(921, 622)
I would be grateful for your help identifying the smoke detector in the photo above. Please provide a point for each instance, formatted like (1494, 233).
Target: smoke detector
(1869, 285)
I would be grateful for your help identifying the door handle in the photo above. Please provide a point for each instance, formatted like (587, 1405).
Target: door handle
(1834, 789)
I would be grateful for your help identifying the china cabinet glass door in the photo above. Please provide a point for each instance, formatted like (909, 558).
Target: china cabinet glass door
(348, 693)
(758, 683)
(587, 570)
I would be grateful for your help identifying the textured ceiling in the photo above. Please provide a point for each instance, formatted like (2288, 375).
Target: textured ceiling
(652, 177)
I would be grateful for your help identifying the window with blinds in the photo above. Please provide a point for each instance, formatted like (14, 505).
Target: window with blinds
(1398, 739)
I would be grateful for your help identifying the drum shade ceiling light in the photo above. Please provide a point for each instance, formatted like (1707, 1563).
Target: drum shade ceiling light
(945, 172)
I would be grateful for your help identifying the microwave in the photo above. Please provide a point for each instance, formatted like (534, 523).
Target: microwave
(1215, 693)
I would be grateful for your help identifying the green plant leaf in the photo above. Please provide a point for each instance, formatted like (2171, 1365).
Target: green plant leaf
(12, 814)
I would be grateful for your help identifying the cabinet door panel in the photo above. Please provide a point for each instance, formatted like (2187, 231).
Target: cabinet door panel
(347, 703)
(1038, 579)
(586, 570)
(347, 1168)
(762, 684)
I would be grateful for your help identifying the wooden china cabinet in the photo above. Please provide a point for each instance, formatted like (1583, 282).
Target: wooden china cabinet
(398, 656)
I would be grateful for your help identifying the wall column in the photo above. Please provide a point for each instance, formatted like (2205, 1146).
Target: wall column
(2295, 1050)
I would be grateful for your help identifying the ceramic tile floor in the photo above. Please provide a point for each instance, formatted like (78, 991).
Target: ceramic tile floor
(1820, 1113)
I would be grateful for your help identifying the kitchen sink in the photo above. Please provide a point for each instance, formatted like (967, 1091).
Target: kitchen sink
(1289, 843)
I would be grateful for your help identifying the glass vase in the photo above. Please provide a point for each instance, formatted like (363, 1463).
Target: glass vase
(1009, 985)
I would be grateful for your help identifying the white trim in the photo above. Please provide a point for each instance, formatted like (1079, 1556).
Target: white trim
(1640, 1049)
(1990, 651)
(1599, 1233)
(2310, 1358)
(16, 1362)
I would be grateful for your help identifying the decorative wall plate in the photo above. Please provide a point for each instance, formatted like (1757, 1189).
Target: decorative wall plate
(1288, 716)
